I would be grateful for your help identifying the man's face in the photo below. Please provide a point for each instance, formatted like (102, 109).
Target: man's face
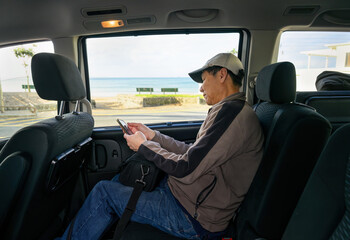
(210, 87)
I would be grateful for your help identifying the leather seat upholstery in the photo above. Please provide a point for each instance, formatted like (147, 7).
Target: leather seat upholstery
(39, 164)
(294, 137)
(323, 211)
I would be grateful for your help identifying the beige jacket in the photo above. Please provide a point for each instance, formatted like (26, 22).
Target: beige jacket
(211, 176)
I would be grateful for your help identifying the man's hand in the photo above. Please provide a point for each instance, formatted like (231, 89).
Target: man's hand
(134, 141)
(149, 133)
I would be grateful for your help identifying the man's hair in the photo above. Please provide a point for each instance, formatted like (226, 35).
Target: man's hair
(237, 79)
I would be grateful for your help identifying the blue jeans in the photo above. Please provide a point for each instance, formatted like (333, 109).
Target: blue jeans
(106, 203)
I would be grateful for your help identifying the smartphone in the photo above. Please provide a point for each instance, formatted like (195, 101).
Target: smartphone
(124, 126)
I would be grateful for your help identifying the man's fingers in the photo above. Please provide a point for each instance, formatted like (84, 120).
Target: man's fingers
(133, 129)
(136, 125)
(134, 141)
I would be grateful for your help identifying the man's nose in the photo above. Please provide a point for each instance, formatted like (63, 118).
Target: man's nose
(201, 89)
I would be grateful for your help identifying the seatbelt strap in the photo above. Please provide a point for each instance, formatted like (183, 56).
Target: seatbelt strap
(70, 231)
(256, 105)
(129, 210)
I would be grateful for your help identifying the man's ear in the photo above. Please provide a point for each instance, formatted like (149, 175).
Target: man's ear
(223, 74)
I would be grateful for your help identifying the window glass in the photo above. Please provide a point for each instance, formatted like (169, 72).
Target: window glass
(20, 105)
(145, 78)
(315, 52)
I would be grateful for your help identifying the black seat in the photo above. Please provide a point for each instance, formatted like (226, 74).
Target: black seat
(332, 99)
(39, 164)
(333, 105)
(294, 137)
(323, 211)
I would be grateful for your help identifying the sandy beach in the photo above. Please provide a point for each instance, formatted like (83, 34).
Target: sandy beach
(20, 101)
(129, 101)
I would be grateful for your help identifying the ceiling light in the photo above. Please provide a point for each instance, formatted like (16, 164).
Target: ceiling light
(112, 24)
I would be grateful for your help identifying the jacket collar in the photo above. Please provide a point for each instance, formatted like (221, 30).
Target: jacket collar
(235, 96)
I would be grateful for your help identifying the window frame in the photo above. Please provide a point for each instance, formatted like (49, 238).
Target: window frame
(244, 45)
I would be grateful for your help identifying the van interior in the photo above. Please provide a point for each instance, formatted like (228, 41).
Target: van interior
(69, 69)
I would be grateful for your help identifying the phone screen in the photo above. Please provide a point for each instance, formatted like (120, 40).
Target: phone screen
(124, 126)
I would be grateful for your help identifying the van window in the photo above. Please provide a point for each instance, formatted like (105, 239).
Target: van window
(315, 52)
(145, 78)
(20, 105)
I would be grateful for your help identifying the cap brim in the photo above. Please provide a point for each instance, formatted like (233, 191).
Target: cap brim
(197, 75)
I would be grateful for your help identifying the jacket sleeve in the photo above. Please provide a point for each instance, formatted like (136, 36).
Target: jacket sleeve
(170, 144)
(181, 165)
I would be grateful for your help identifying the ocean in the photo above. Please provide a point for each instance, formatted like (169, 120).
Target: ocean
(108, 87)
(112, 86)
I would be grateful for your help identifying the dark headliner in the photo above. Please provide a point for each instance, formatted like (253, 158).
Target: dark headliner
(23, 20)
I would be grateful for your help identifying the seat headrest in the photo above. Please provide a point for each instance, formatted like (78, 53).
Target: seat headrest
(277, 83)
(57, 77)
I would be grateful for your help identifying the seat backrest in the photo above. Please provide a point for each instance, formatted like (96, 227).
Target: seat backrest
(294, 137)
(333, 105)
(323, 211)
(39, 164)
(332, 80)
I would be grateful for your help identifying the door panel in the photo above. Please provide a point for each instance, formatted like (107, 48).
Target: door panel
(110, 148)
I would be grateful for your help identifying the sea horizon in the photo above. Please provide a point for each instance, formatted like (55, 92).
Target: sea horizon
(112, 86)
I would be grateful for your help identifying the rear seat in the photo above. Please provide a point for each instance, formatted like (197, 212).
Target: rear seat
(332, 98)
(324, 207)
(333, 105)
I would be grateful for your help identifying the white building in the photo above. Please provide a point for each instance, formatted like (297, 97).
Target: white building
(340, 51)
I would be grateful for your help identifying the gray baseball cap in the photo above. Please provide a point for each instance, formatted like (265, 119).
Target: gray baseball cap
(226, 60)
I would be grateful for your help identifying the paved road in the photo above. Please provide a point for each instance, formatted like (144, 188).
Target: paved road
(9, 125)
(150, 115)
(107, 117)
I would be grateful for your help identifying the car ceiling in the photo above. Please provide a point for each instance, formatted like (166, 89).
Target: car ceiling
(28, 20)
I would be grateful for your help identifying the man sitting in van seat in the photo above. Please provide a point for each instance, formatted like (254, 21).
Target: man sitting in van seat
(206, 181)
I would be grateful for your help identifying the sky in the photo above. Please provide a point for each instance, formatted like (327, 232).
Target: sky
(12, 67)
(155, 56)
(170, 55)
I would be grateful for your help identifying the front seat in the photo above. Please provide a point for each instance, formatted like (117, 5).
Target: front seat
(295, 135)
(39, 164)
(323, 211)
